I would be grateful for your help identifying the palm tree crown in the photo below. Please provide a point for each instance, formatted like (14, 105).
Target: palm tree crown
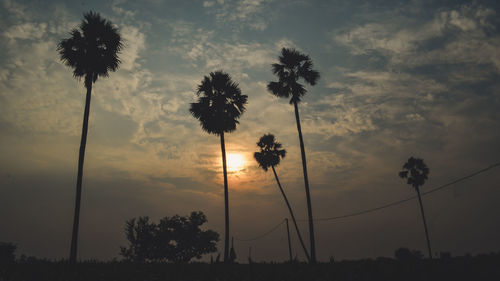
(270, 152)
(220, 103)
(93, 50)
(293, 65)
(415, 171)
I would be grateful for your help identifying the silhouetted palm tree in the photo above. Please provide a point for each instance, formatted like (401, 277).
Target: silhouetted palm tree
(416, 172)
(270, 155)
(92, 51)
(292, 66)
(220, 105)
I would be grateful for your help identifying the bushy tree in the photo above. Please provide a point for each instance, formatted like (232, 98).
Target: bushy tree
(175, 239)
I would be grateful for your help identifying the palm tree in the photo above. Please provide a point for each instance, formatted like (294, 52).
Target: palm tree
(292, 66)
(416, 172)
(92, 51)
(269, 156)
(220, 105)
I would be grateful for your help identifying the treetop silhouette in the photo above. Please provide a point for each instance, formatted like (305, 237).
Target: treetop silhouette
(220, 103)
(270, 152)
(415, 171)
(293, 66)
(93, 50)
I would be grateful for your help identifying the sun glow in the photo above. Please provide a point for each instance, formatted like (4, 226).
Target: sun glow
(235, 162)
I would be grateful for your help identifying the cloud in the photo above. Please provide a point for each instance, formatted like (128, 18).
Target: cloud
(451, 36)
(134, 44)
(25, 31)
(16, 10)
(250, 12)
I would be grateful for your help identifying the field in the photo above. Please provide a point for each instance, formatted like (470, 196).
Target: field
(483, 267)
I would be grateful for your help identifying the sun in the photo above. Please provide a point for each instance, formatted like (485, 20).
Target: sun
(235, 162)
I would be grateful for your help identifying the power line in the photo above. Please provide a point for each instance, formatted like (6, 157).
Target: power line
(262, 235)
(409, 198)
(380, 207)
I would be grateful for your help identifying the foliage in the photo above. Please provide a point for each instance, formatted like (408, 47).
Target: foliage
(415, 171)
(220, 103)
(293, 65)
(270, 152)
(176, 239)
(93, 50)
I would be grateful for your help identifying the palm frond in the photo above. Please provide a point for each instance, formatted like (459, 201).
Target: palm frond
(220, 103)
(92, 51)
(270, 152)
(415, 171)
(292, 66)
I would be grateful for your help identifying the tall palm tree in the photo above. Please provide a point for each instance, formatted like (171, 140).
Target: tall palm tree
(416, 172)
(270, 155)
(293, 66)
(220, 105)
(92, 51)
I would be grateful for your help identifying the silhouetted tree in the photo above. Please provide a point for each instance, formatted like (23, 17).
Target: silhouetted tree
(269, 156)
(293, 66)
(416, 172)
(220, 105)
(176, 239)
(142, 236)
(92, 51)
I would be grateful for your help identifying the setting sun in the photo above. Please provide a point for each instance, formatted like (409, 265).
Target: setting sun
(235, 162)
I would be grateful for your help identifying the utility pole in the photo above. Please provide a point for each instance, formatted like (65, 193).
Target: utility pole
(289, 243)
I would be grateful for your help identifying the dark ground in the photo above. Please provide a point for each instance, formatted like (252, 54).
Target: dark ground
(482, 267)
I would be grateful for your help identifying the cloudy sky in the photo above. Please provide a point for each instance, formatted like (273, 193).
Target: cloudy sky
(398, 79)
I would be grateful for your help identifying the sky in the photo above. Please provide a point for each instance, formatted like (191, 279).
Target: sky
(398, 79)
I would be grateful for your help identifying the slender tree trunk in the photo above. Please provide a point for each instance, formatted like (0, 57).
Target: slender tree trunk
(226, 198)
(291, 214)
(425, 224)
(81, 156)
(306, 182)
(289, 242)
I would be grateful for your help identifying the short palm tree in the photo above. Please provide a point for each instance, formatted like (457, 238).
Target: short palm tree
(92, 52)
(270, 155)
(293, 66)
(416, 172)
(220, 104)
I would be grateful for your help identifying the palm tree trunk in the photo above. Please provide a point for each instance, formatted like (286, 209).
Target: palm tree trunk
(425, 224)
(226, 198)
(291, 214)
(306, 182)
(81, 156)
